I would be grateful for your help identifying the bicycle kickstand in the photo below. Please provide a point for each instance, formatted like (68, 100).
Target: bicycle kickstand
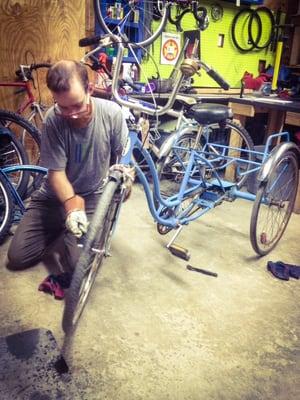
(177, 250)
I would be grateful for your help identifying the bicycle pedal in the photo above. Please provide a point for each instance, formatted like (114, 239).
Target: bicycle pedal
(180, 252)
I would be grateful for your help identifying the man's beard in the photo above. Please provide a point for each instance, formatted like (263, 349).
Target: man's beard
(83, 121)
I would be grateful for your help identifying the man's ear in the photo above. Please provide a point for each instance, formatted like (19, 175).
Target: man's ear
(91, 88)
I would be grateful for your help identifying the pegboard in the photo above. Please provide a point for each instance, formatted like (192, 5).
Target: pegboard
(227, 60)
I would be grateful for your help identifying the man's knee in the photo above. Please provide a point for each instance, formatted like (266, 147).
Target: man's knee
(18, 259)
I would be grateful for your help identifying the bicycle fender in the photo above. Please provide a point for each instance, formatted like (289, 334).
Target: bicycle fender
(170, 141)
(271, 161)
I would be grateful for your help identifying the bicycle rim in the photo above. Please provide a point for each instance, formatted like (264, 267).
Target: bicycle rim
(91, 259)
(171, 170)
(87, 283)
(27, 134)
(274, 204)
(132, 11)
(217, 143)
(225, 141)
(6, 208)
(13, 153)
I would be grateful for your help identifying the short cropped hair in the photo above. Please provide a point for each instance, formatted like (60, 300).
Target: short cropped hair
(61, 74)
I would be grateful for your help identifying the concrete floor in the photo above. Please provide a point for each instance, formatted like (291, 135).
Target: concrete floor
(154, 330)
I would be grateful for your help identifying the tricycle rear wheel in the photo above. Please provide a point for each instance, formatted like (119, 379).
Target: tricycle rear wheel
(274, 204)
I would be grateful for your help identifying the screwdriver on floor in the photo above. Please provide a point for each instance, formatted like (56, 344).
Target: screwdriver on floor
(203, 271)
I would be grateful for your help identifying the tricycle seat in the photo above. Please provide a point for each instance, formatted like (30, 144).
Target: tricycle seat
(208, 113)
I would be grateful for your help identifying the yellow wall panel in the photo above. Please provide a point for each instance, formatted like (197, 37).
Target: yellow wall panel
(227, 60)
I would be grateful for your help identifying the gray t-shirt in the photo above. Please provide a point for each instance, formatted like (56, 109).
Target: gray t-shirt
(84, 153)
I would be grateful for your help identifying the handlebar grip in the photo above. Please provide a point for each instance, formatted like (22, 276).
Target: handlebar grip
(88, 41)
(40, 65)
(218, 78)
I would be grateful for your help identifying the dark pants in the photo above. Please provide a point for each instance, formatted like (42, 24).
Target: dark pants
(43, 224)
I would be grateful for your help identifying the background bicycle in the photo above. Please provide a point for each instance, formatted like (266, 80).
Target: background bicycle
(30, 107)
(12, 206)
(26, 122)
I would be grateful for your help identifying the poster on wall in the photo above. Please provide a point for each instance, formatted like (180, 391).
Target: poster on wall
(170, 48)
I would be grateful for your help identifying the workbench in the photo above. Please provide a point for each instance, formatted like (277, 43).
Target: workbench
(280, 112)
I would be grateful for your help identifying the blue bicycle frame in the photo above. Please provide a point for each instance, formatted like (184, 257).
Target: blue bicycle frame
(189, 187)
(203, 194)
(5, 171)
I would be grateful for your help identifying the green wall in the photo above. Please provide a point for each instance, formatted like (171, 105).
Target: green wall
(228, 60)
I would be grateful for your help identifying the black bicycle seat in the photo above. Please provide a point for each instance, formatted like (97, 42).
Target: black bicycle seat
(208, 113)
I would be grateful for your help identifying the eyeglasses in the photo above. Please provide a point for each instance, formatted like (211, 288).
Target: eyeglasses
(78, 111)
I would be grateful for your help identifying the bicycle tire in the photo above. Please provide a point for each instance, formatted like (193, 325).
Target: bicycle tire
(7, 206)
(187, 140)
(170, 178)
(12, 152)
(269, 13)
(179, 17)
(157, 11)
(18, 125)
(97, 237)
(224, 134)
(104, 22)
(233, 27)
(275, 198)
(7, 118)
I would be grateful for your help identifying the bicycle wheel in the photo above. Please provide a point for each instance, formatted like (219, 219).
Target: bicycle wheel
(7, 207)
(218, 141)
(147, 10)
(12, 152)
(28, 135)
(274, 204)
(95, 249)
(30, 138)
(237, 29)
(226, 141)
(171, 168)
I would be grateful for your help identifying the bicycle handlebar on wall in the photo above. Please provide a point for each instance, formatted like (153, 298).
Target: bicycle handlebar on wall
(24, 71)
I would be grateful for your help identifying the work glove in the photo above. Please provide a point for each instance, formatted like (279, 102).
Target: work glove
(128, 178)
(76, 219)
